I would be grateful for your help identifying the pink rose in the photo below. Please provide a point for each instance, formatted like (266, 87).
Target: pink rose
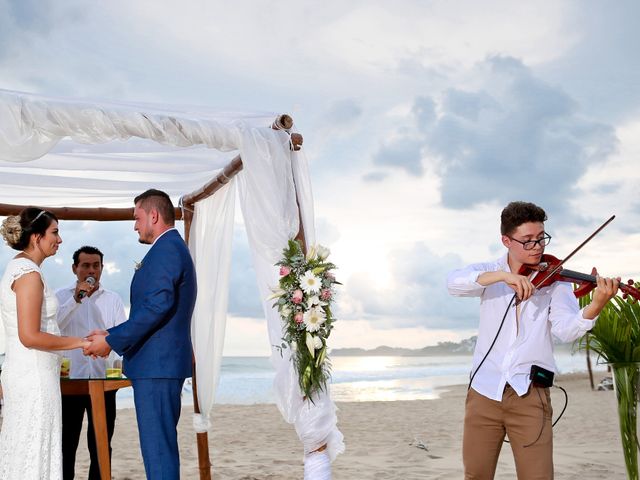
(297, 296)
(284, 271)
(325, 294)
(298, 317)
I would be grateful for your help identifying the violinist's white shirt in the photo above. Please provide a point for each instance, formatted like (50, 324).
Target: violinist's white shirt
(526, 336)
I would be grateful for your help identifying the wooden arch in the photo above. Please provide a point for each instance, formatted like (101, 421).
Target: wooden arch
(183, 212)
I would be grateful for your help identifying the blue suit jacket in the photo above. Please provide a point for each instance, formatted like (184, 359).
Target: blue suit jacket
(156, 339)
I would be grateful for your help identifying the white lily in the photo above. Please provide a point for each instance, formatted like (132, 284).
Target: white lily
(311, 253)
(285, 311)
(311, 345)
(277, 293)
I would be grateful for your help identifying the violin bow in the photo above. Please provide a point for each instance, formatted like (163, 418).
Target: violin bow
(559, 266)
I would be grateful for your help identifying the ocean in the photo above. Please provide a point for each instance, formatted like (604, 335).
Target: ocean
(248, 380)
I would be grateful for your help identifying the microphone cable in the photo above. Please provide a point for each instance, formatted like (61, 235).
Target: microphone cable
(566, 403)
(495, 339)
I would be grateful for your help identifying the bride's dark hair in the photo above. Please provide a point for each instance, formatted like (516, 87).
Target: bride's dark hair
(17, 229)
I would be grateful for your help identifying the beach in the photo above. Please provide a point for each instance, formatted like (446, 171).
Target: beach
(252, 442)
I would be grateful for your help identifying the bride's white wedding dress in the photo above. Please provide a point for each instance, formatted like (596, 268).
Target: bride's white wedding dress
(31, 436)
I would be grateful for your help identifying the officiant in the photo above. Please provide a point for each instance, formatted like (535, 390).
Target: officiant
(86, 305)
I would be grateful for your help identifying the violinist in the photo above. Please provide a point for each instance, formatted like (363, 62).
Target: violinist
(513, 362)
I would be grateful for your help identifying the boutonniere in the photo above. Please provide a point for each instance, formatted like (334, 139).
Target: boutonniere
(137, 265)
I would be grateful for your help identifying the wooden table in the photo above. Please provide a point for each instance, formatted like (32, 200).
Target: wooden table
(95, 388)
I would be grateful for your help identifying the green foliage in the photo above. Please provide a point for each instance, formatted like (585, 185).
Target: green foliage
(616, 335)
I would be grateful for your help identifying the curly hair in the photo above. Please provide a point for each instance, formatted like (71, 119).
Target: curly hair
(17, 229)
(517, 213)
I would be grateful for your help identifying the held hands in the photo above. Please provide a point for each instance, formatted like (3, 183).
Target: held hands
(98, 346)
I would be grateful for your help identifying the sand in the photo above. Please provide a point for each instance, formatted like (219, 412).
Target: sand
(382, 438)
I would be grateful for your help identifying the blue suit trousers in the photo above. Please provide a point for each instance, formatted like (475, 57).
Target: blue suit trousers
(158, 404)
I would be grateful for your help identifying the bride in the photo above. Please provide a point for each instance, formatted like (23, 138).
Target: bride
(31, 436)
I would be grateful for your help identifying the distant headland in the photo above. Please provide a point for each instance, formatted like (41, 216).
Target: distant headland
(464, 347)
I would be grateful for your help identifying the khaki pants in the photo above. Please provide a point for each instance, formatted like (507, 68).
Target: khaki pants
(525, 420)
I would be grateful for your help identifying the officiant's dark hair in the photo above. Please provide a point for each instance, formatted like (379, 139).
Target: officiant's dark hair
(89, 250)
(159, 200)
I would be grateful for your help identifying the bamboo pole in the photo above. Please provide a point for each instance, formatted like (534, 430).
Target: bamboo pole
(70, 213)
(211, 187)
(202, 438)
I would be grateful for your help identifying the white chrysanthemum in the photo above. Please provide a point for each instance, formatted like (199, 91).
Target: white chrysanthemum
(310, 283)
(313, 319)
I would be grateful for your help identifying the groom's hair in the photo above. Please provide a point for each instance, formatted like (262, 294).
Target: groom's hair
(159, 200)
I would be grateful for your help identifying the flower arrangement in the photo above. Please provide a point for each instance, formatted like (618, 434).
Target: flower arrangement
(303, 299)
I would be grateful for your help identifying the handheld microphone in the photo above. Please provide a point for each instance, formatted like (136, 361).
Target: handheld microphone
(83, 293)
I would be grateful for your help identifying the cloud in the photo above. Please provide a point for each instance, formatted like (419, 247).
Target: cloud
(404, 154)
(512, 137)
(375, 176)
(415, 294)
(344, 112)
(601, 68)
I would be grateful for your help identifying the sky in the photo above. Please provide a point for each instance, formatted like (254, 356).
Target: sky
(421, 120)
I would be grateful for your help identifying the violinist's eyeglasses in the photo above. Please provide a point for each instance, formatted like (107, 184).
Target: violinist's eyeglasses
(530, 244)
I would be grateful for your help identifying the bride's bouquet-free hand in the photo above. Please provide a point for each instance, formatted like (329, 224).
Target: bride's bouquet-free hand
(303, 299)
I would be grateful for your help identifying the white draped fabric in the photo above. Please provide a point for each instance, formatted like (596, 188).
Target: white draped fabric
(210, 244)
(268, 197)
(58, 152)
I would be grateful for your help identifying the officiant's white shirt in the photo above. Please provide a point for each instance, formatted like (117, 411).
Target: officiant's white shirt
(526, 336)
(102, 310)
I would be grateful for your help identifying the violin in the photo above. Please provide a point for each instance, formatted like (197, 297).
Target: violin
(550, 270)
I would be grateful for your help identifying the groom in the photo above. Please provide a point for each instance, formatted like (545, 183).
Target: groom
(156, 339)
